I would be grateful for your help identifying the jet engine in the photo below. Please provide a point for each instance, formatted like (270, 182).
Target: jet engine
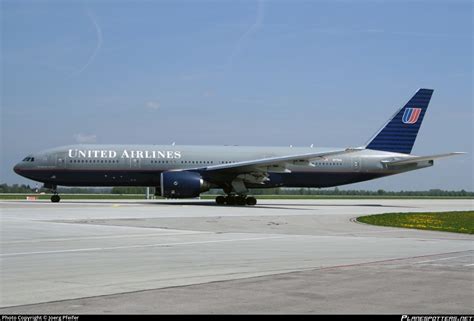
(182, 184)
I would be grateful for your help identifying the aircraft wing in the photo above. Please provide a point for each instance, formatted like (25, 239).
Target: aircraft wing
(417, 159)
(275, 164)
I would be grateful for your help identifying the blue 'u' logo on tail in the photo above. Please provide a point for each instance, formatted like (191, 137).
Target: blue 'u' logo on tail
(411, 115)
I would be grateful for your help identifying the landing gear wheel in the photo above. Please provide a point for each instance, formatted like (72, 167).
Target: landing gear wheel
(55, 198)
(251, 201)
(236, 200)
(240, 200)
(230, 200)
(220, 200)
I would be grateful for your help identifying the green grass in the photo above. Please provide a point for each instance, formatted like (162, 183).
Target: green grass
(74, 196)
(349, 197)
(7, 196)
(457, 222)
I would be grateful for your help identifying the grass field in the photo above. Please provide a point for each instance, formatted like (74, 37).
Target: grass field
(263, 197)
(458, 222)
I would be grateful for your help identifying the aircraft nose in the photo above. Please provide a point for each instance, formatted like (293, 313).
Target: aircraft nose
(17, 168)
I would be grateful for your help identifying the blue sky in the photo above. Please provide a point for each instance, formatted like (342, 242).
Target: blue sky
(327, 73)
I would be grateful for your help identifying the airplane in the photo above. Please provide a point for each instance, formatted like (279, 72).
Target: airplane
(187, 171)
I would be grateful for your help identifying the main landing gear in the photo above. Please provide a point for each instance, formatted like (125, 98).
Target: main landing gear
(236, 200)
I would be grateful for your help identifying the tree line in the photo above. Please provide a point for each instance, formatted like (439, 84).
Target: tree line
(16, 188)
(380, 192)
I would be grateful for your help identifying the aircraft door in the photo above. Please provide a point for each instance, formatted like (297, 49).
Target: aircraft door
(356, 165)
(134, 162)
(60, 161)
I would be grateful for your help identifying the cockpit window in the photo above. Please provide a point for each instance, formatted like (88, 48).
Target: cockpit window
(26, 159)
(29, 159)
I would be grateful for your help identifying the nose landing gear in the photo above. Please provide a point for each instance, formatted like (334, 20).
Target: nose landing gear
(236, 200)
(55, 197)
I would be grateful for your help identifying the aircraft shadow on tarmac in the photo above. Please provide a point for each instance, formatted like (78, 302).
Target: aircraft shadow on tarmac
(279, 205)
(260, 206)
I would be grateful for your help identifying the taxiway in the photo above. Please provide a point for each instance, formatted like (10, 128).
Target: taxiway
(281, 256)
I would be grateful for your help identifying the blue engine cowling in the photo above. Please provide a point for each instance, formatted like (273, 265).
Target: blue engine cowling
(182, 184)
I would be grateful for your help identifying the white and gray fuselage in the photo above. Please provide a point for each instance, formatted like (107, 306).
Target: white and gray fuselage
(141, 165)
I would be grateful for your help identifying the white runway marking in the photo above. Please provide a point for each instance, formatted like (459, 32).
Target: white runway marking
(121, 236)
(140, 246)
(443, 259)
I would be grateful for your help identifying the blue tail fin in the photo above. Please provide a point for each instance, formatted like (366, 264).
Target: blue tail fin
(399, 133)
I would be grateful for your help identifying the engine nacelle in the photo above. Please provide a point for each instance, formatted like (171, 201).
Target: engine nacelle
(182, 184)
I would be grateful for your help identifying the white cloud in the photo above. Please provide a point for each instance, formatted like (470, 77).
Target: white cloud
(96, 50)
(208, 93)
(85, 138)
(153, 105)
(249, 32)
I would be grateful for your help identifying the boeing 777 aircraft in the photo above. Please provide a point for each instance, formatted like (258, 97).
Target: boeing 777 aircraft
(187, 171)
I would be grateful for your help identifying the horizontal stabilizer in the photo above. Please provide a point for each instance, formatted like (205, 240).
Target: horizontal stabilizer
(417, 159)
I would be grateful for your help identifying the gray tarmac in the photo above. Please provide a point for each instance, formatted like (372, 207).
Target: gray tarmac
(281, 256)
